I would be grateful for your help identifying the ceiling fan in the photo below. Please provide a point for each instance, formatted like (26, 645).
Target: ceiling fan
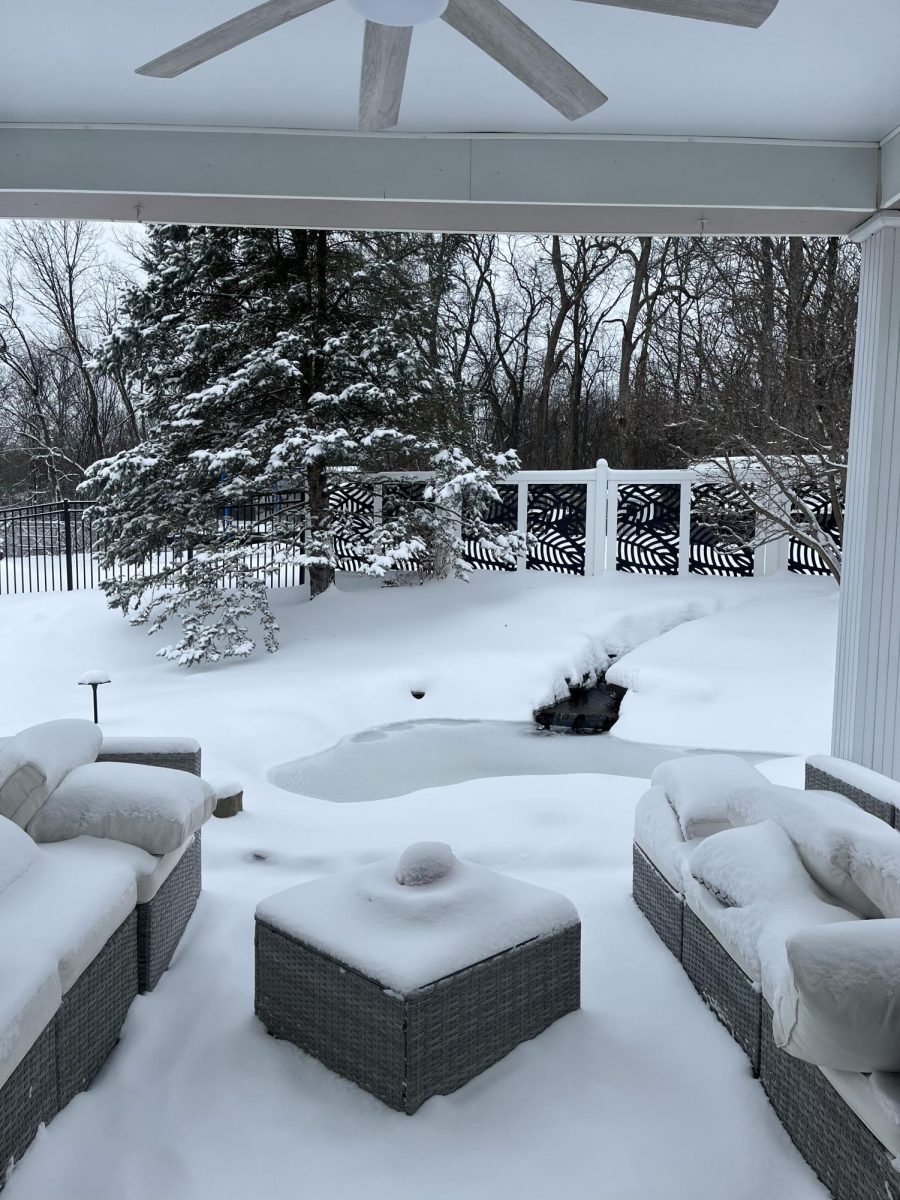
(488, 23)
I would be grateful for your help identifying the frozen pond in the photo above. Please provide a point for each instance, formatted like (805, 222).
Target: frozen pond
(396, 759)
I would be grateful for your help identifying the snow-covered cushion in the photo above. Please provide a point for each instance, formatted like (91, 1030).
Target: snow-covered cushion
(30, 994)
(36, 761)
(840, 1005)
(768, 896)
(17, 853)
(154, 808)
(823, 827)
(697, 787)
(658, 834)
(150, 871)
(66, 906)
(755, 864)
(874, 866)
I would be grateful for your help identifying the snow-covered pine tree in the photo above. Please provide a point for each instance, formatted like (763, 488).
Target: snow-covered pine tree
(260, 357)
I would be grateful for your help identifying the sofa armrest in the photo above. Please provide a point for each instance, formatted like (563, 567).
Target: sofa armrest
(180, 754)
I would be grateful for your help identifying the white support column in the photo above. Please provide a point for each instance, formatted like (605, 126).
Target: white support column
(867, 693)
(596, 531)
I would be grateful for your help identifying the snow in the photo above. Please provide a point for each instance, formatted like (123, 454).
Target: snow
(730, 682)
(406, 936)
(640, 1093)
(95, 677)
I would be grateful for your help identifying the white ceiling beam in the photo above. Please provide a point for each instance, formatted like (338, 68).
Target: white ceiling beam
(570, 184)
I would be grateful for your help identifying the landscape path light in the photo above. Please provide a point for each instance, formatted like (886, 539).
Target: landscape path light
(93, 680)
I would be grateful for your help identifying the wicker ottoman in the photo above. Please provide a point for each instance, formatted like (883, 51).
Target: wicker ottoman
(384, 1010)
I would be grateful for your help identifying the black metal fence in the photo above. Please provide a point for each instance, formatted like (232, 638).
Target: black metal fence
(54, 547)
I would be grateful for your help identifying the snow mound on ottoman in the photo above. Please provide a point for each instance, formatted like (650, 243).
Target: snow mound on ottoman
(407, 936)
(155, 808)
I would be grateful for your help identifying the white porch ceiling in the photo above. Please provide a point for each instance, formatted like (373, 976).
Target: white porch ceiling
(708, 126)
(818, 69)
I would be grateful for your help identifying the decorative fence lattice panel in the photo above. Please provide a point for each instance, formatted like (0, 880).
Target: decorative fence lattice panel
(504, 514)
(802, 560)
(649, 520)
(720, 529)
(354, 506)
(557, 519)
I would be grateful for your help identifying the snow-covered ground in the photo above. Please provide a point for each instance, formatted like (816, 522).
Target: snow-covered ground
(640, 1093)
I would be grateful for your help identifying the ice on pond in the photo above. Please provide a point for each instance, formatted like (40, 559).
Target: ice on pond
(394, 760)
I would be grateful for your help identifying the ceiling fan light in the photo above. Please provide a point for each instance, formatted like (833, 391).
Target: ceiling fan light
(400, 12)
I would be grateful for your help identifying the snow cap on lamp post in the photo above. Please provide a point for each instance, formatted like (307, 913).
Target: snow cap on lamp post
(93, 679)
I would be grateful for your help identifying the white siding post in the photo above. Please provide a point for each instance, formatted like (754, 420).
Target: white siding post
(522, 522)
(867, 690)
(684, 529)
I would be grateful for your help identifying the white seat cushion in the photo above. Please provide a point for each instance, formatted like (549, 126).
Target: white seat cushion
(155, 808)
(35, 761)
(150, 871)
(17, 853)
(658, 833)
(66, 907)
(30, 994)
(839, 1004)
(697, 787)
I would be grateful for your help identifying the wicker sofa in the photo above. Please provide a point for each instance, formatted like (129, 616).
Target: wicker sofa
(846, 1123)
(86, 922)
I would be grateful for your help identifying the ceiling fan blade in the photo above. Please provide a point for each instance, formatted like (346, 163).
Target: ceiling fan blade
(385, 54)
(227, 35)
(751, 13)
(516, 46)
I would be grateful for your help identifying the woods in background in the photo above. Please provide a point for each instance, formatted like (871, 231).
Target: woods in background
(647, 352)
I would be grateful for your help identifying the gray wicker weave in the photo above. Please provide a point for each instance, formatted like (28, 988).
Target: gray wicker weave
(162, 921)
(28, 1099)
(658, 901)
(405, 1049)
(843, 1152)
(94, 1010)
(817, 779)
(728, 992)
(184, 760)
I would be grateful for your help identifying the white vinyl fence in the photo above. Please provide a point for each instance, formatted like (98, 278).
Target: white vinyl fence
(580, 522)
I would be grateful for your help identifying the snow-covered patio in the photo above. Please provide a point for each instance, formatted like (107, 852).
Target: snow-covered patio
(642, 1085)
